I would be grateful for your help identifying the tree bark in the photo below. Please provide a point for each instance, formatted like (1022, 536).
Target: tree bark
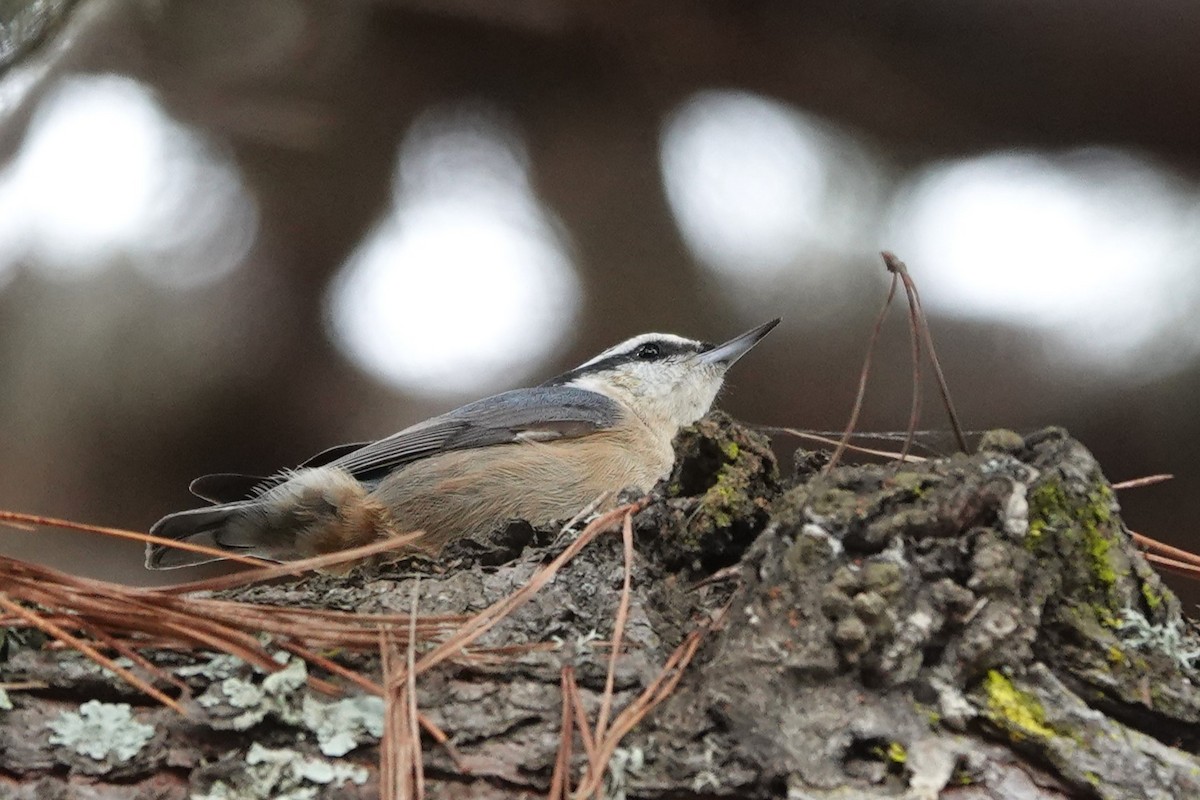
(974, 627)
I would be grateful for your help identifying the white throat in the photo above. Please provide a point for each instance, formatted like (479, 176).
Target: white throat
(663, 408)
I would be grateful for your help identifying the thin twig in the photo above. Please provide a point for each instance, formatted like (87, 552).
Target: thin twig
(914, 327)
(273, 571)
(817, 437)
(1165, 549)
(731, 573)
(18, 520)
(861, 394)
(896, 267)
(651, 696)
(86, 649)
(414, 729)
(656, 692)
(329, 665)
(618, 630)
(388, 757)
(137, 658)
(581, 720)
(1148, 480)
(1179, 567)
(560, 779)
(485, 620)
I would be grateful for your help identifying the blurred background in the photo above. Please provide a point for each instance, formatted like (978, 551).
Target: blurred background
(235, 233)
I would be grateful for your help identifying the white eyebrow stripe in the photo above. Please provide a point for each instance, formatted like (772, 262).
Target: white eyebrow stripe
(629, 345)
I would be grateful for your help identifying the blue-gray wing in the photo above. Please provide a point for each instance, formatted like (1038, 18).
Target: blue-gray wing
(542, 413)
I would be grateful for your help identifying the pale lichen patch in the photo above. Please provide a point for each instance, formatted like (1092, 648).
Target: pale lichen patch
(283, 774)
(216, 668)
(101, 731)
(1172, 638)
(344, 724)
(240, 704)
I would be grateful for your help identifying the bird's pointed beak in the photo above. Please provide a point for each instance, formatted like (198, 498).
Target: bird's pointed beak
(738, 346)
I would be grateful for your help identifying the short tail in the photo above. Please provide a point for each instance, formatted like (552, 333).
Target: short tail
(196, 526)
(315, 511)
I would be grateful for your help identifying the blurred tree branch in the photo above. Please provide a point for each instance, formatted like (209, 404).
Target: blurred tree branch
(24, 24)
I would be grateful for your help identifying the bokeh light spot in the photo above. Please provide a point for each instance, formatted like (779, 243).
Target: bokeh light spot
(756, 185)
(465, 286)
(1096, 247)
(104, 176)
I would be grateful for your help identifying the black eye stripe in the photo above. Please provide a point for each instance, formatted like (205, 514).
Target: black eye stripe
(664, 348)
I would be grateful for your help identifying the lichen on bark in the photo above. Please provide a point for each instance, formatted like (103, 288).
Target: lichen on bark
(974, 627)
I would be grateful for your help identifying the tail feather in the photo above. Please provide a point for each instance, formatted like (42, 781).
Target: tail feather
(312, 512)
(230, 487)
(196, 526)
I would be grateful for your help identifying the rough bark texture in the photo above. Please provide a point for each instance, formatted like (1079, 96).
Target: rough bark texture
(976, 627)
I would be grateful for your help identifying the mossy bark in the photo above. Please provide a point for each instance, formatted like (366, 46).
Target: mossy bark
(976, 627)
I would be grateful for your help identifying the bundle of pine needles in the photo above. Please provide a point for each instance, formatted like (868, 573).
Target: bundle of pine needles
(104, 620)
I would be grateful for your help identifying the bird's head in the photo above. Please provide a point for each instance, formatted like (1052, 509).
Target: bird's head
(665, 379)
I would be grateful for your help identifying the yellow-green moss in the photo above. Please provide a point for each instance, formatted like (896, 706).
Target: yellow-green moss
(1046, 511)
(913, 482)
(1074, 528)
(931, 714)
(723, 500)
(1018, 713)
(1095, 517)
(720, 498)
(1153, 599)
(895, 755)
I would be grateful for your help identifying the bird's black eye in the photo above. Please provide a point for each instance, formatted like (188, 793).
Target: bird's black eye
(648, 351)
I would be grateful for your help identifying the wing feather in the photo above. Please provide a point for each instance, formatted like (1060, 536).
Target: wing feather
(325, 456)
(542, 413)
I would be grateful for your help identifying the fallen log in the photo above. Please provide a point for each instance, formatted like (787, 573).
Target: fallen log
(974, 627)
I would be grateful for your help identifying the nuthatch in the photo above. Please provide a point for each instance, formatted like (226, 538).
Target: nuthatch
(538, 454)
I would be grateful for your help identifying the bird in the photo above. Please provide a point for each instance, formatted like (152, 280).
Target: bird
(539, 454)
